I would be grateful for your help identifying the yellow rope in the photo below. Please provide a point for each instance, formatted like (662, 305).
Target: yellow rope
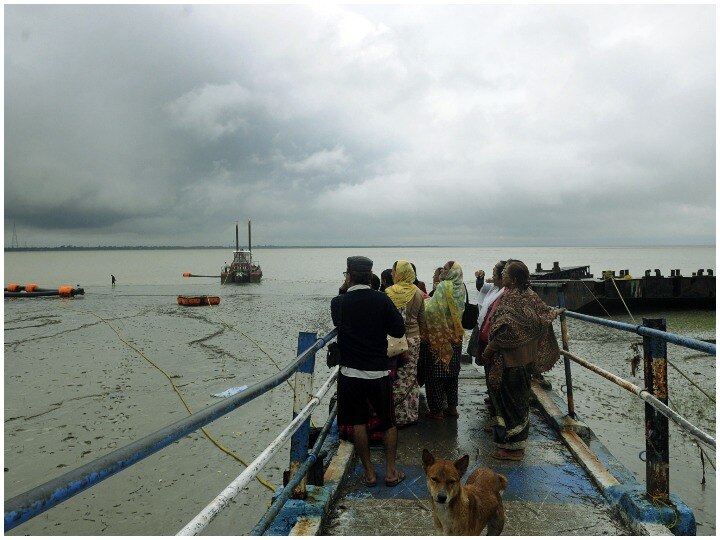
(231, 327)
(177, 391)
(622, 299)
(658, 500)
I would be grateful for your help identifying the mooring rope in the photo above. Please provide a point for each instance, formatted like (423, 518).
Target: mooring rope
(177, 391)
(622, 299)
(690, 381)
(596, 299)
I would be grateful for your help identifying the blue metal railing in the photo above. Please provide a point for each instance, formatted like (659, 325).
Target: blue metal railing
(26, 506)
(283, 496)
(643, 330)
(655, 394)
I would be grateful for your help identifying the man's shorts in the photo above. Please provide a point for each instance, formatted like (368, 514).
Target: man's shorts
(355, 396)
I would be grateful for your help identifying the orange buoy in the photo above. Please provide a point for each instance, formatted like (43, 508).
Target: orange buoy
(65, 290)
(30, 287)
(13, 287)
(187, 274)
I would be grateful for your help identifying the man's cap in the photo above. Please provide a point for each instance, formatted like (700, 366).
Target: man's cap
(358, 263)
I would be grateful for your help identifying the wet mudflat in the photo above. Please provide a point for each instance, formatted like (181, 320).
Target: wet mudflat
(80, 382)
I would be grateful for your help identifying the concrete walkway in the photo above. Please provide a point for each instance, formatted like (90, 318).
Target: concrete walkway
(549, 493)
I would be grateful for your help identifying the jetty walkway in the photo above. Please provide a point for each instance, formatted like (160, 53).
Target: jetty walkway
(549, 492)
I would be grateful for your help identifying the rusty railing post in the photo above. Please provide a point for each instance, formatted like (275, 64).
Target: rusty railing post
(566, 361)
(300, 441)
(657, 447)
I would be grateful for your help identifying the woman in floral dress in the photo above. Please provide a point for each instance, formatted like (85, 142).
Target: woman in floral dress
(410, 302)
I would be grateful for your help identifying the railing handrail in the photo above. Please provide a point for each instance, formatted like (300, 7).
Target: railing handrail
(282, 497)
(647, 397)
(25, 506)
(643, 330)
(203, 519)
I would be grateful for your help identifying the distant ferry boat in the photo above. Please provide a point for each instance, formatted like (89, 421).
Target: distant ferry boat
(242, 269)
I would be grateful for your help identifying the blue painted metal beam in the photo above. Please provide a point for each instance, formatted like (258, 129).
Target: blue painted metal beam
(649, 332)
(27, 505)
(300, 440)
(282, 497)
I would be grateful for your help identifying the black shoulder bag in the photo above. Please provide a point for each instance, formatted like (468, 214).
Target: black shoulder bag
(471, 313)
(333, 349)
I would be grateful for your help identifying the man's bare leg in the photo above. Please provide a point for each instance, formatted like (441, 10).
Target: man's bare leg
(362, 447)
(390, 442)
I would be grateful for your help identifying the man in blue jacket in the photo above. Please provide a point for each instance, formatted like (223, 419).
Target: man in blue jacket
(364, 318)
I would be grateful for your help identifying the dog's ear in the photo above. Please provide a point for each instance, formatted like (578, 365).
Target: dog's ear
(462, 464)
(427, 458)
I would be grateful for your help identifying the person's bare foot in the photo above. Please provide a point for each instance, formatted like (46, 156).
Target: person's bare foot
(508, 455)
(451, 412)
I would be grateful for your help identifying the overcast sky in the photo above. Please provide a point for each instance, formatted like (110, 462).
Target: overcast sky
(369, 125)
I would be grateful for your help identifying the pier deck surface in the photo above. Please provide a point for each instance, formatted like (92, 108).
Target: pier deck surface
(549, 493)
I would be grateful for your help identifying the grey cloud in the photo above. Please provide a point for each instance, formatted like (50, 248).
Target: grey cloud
(436, 124)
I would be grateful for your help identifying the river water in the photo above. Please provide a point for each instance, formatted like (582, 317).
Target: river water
(87, 375)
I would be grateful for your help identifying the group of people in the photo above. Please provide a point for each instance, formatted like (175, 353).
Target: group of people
(513, 341)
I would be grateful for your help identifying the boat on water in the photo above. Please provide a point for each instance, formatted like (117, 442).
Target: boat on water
(242, 269)
(199, 300)
(586, 294)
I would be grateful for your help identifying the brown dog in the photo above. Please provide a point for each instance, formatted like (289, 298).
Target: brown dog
(464, 510)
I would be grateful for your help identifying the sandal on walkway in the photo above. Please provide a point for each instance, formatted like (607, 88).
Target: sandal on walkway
(508, 455)
(367, 483)
(393, 483)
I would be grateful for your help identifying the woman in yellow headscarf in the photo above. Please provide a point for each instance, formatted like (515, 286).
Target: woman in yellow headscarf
(443, 316)
(410, 302)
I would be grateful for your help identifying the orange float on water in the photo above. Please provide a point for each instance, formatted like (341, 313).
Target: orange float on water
(31, 290)
(65, 290)
(202, 300)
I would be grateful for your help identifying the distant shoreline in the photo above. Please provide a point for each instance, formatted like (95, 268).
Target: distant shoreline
(151, 248)
(137, 248)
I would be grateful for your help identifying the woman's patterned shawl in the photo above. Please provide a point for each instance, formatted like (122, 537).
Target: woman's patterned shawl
(443, 313)
(521, 317)
(404, 288)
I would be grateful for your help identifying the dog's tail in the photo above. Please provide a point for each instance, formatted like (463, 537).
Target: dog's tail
(500, 483)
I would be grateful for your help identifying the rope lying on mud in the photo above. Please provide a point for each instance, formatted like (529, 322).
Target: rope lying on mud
(231, 327)
(234, 329)
(177, 391)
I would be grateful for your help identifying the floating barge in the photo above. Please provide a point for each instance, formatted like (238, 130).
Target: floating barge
(587, 294)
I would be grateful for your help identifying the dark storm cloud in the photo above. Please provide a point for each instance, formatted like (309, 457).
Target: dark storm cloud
(480, 125)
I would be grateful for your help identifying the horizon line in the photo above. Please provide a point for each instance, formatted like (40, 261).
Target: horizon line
(271, 246)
